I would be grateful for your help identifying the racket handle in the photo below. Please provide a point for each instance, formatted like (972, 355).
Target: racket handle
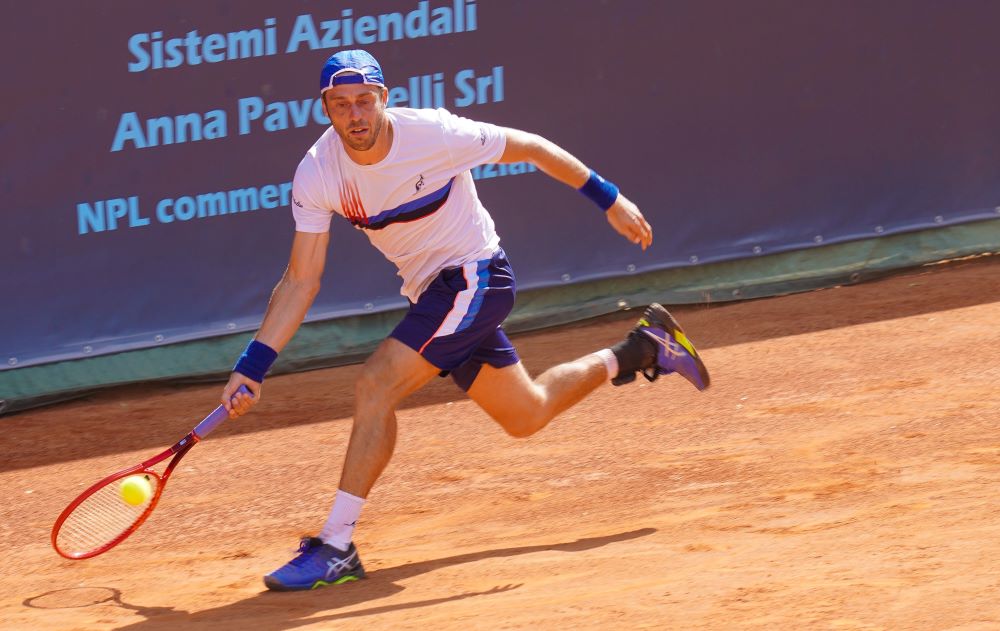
(218, 415)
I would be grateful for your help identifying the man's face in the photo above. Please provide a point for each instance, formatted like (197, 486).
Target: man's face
(357, 112)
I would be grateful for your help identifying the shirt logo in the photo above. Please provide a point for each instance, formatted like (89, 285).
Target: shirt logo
(482, 136)
(420, 183)
(297, 202)
(350, 203)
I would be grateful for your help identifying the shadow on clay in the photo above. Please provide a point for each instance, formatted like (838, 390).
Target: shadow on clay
(287, 610)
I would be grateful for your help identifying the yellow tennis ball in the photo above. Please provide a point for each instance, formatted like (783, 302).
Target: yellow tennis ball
(136, 489)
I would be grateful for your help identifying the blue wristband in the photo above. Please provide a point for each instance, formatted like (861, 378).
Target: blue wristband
(600, 191)
(256, 360)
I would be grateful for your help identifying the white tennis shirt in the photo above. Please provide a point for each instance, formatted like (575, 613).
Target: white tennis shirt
(418, 205)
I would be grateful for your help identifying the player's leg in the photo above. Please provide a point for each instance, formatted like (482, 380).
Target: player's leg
(391, 373)
(496, 380)
(439, 332)
(523, 406)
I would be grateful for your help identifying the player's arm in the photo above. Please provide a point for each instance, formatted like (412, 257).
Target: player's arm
(563, 166)
(290, 300)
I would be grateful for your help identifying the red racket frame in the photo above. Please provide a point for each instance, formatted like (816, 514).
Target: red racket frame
(179, 448)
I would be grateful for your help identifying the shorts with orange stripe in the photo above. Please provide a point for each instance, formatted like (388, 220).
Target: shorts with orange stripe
(456, 323)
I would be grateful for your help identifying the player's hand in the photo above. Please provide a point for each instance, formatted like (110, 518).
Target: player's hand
(625, 217)
(239, 403)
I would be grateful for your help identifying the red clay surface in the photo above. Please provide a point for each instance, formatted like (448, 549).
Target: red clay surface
(842, 473)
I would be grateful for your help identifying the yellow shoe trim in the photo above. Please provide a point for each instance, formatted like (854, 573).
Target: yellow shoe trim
(342, 579)
(686, 343)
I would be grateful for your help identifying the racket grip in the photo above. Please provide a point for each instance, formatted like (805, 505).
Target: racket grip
(218, 415)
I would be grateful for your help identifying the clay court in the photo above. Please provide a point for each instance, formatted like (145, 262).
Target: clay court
(841, 473)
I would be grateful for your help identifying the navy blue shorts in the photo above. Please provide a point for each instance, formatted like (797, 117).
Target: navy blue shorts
(455, 324)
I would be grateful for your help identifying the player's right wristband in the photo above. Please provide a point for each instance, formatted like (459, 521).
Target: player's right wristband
(256, 360)
(600, 191)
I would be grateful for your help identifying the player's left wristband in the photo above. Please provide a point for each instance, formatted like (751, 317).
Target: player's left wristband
(600, 191)
(256, 360)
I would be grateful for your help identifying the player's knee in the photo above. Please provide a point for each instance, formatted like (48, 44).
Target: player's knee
(521, 424)
(519, 430)
(370, 391)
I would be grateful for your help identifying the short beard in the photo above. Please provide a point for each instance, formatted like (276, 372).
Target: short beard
(365, 145)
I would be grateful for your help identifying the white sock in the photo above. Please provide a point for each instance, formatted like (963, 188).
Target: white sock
(610, 362)
(339, 527)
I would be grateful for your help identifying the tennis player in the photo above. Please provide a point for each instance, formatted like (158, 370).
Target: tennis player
(403, 177)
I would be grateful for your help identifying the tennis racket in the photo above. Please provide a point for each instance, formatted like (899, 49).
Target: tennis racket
(100, 518)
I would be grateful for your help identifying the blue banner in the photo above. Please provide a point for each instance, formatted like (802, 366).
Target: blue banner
(148, 148)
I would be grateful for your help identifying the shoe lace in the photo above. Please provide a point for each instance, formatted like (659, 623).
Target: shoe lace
(308, 547)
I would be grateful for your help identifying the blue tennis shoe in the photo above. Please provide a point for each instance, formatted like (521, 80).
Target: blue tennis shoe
(317, 565)
(657, 346)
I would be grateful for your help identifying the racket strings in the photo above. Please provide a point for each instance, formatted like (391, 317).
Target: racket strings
(100, 519)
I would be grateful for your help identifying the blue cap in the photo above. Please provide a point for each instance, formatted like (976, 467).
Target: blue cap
(350, 66)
